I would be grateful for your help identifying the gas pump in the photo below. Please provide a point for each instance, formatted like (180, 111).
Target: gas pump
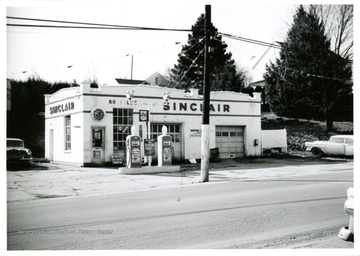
(164, 148)
(133, 152)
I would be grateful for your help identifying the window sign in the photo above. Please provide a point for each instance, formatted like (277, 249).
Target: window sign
(149, 147)
(143, 115)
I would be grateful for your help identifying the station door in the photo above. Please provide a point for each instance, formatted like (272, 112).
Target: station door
(230, 141)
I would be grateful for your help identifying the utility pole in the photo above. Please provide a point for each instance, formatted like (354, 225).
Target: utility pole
(205, 134)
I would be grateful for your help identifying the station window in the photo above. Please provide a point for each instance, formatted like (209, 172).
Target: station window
(172, 129)
(67, 133)
(122, 122)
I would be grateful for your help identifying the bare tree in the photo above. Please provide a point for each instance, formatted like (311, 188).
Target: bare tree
(338, 21)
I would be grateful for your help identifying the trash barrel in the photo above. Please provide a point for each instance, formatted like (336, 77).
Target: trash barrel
(214, 155)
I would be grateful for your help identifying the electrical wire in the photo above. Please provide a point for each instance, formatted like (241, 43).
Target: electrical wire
(309, 74)
(183, 53)
(248, 40)
(262, 56)
(121, 27)
(87, 25)
(93, 25)
(68, 22)
(192, 64)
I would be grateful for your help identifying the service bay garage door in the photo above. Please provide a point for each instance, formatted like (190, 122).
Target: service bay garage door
(230, 141)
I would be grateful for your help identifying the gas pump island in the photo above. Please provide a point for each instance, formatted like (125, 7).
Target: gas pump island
(133, 155)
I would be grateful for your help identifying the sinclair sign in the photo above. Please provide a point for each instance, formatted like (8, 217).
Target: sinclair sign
(186, 106)
(62, 108)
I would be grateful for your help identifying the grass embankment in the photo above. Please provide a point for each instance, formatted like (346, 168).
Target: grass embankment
(300, 131)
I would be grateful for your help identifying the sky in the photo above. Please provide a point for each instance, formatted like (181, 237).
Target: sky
(79, 54)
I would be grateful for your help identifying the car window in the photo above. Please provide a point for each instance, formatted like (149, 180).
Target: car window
(14, 143)
(349, 141)
(337, 140)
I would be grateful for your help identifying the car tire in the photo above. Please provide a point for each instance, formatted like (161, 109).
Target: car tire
(316, 152)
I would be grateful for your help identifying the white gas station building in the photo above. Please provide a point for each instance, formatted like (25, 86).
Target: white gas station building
(85, 125)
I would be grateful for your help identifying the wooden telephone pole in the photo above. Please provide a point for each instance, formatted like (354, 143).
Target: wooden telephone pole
(205, 137)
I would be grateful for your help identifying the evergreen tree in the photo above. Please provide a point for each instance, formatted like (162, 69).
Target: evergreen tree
(188, 72)
(308, 80)
(26, 118)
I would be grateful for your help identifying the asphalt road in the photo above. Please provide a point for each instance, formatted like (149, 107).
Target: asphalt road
(293, 212)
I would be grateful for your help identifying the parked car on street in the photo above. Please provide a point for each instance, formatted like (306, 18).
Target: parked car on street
(336, 145)
(16, 152)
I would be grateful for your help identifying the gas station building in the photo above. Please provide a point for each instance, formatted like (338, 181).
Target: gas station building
(86, 125)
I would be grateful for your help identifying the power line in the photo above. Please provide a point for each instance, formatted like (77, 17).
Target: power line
(62, 21)
(192, 65)
(251, 41)
(73, 27)
(308, 74)
(102, 26)
(248, 40)
(95, 27)
(261, 57)
(183, 53)
(89, 25)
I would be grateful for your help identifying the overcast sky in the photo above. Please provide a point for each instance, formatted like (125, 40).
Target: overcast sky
(101, 54)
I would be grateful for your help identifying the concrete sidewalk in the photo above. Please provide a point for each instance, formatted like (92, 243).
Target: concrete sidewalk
(45, 181)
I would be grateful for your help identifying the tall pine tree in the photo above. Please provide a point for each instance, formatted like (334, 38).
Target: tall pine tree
(308, 80)
(188, 72)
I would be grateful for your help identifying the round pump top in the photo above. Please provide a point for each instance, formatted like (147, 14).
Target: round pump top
(164, 130)
(133, 130)
(350, 192)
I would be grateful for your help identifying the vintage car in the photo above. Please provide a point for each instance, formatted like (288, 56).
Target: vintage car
(16, 152)
(336, 145)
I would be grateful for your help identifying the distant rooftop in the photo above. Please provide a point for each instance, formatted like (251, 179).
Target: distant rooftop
(260, 83)
(130, 81)
(155, 79)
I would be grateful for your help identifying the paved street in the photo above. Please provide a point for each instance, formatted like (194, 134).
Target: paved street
(246, 205)
(251, 214)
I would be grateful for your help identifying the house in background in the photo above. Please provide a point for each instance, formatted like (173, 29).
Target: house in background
(130, 81)
(155, 79)
(260, 83)
(158, 79)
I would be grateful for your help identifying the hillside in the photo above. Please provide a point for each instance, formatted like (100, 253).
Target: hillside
(300, 130)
